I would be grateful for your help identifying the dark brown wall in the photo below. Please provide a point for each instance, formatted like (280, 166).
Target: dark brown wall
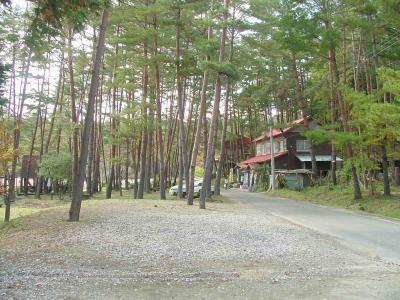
(293, 161)
(284, 162)
(287, 163)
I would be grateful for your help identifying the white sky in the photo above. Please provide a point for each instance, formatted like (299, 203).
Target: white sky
(33, 85)
(19, 3)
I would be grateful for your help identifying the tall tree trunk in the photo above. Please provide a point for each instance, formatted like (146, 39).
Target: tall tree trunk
(344, 119)
(199, 128)
(40, 179)
(113, 129)
(136, 166)
(78, 181)
(92, 141)
(89, 180)
(182, 133)
(143, 150)
(214, 118)
(221, 163)
(96, 186)
(59, 129)
(147, 179)
(127, 165)
(17, 132)
(161, 159)
(333, 121)
(33, 140)
(205, 139)
(74, 117)
(385, 168)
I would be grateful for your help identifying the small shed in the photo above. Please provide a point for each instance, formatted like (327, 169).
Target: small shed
(296, 179)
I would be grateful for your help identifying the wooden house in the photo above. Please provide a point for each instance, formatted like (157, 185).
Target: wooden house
(291, 149)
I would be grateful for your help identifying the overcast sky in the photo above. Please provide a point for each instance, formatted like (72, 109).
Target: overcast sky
(20, 3)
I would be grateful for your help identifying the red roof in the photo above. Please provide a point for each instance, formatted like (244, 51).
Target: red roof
(247, 140)
(260, 158)
(278, 132)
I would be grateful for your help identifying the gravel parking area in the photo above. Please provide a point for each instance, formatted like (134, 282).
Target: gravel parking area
(147, 249)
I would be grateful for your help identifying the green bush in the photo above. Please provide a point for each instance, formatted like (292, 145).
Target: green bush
(56, 166)
(199, 171)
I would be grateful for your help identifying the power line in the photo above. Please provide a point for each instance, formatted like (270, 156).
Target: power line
(389, 46)
(392, 40)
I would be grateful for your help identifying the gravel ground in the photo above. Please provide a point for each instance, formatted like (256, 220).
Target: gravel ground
(146, 249)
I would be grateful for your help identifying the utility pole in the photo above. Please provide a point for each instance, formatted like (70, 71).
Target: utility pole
(271, 139)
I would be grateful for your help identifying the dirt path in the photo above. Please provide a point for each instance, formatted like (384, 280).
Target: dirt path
(165, 250)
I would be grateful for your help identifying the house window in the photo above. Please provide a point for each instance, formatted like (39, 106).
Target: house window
(267, 148)
(260, 149)
(282, 145)
(303, 146)
(277, 147)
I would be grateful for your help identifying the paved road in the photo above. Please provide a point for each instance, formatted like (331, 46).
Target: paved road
(377, 236)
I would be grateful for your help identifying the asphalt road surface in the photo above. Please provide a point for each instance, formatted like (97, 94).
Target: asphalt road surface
(376, 236)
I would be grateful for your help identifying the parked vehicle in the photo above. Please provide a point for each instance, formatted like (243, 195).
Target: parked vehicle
(173, 191)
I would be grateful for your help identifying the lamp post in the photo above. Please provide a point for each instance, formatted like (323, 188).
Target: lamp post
(271, 138)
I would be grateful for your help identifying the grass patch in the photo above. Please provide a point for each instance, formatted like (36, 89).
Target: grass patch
(24, 206)
(342, 197)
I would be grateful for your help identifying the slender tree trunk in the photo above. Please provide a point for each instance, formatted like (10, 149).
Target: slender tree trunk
(33, 140)
(136, 166)
(344, 119)
(113, 130)
(143, 150)
(96, 186)
(89, 180)
(199, 128)
(92, 141)
(147, 178)
(161, 159)
(17, 132)
(127, 165)
(333, 119)
(221, 163)
(59, 97)
(45, 148)
(205, 139)
(60, 126)
(74, 117)
(214, 118)
(79, 179)
(182, 133)
(385, 168)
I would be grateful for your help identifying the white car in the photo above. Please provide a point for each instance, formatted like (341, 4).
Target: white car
(173, 191)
